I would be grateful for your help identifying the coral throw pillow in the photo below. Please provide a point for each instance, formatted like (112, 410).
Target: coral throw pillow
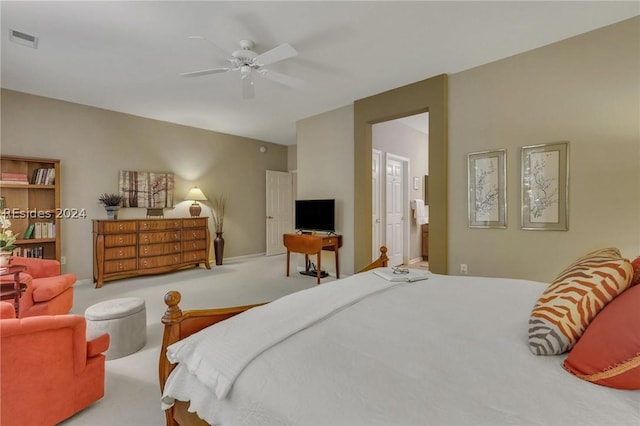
(573, 299)
(608, 353)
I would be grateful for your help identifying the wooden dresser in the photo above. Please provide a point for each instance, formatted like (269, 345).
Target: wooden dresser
(130, 247)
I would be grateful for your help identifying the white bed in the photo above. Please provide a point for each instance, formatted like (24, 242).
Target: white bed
(443, 351)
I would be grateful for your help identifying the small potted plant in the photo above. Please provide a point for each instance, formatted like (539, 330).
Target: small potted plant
(111, 203)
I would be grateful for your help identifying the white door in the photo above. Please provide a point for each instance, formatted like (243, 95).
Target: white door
(279, 210)
(394, 210)
(376, 208)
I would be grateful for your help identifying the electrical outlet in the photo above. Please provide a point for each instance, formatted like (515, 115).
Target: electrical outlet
(464, 269)
(63, 260)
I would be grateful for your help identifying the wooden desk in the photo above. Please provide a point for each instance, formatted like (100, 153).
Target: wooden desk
(13, 290)
(313, 244)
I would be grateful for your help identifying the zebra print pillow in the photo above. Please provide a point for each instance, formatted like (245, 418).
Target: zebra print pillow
(574, 298)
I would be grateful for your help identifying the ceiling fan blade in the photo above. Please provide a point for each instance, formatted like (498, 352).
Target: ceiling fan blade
(283, 79)
(205, 72)
(279, 53)
(248, 91)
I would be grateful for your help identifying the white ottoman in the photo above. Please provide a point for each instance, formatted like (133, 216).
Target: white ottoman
(125, 320)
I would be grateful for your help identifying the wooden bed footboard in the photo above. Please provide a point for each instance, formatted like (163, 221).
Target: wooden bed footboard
(180, 324)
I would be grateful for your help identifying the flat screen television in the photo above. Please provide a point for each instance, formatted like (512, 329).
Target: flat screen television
(315, 215)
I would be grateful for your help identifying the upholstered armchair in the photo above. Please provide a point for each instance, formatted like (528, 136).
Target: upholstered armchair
(49, 292)
(49, 371)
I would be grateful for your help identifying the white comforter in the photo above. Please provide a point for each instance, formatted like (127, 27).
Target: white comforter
(444, 351)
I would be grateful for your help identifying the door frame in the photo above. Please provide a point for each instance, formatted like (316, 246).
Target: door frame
(430, 95)
(376, 188)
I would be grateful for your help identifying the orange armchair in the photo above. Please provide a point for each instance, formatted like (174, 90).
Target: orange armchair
(49, 292)
(49, 371)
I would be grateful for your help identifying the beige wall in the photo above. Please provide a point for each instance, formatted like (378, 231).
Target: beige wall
(94, 145)
(325, 170)
(585, 90)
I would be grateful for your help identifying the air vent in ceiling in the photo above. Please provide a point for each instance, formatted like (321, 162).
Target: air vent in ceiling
(23, 38)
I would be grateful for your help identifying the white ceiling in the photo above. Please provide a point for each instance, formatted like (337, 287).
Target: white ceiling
(127, 56)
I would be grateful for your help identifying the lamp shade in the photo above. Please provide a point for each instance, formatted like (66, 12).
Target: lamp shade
(195, 194)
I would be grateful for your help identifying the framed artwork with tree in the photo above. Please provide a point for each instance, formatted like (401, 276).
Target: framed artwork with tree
(487, 189)
(146, 189)
(545, 187)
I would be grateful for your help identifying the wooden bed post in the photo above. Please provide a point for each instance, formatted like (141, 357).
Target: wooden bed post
(171, 320)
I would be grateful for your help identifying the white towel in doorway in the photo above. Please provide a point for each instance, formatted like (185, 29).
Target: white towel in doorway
(420, 212)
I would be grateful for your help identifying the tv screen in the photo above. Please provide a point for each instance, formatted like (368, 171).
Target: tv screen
(315, 215)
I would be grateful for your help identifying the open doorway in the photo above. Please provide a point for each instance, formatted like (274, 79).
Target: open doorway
(426, 95)
(400, 164)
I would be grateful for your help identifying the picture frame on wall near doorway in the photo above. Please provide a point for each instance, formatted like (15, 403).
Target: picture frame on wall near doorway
(487, 189)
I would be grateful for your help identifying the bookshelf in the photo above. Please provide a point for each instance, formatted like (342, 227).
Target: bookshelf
(30, 189)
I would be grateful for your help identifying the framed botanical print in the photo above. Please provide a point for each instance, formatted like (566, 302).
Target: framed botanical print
(487, 189)
(545, 187)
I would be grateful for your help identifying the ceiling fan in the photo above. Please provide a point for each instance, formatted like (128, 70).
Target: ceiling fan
(249, 63)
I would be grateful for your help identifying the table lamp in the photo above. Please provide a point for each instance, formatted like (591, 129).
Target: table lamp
(195, 194)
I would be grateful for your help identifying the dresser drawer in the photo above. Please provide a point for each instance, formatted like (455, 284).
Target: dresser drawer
(159, 261)
(113, 266)
(119, 226)
(158, 249)
(193, 234)
(120, 252)
(159, 237)
(194, 245)
(159, 224)
(193, 256)
(120, 240)
(200, 222)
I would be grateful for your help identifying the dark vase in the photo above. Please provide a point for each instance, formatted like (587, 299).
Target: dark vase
(218, 247)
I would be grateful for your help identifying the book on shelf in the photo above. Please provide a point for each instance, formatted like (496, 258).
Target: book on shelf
(43, 176)
(29, 252)
(29, 232)
(13, 177)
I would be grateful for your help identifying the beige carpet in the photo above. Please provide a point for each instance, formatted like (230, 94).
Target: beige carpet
(132, 393)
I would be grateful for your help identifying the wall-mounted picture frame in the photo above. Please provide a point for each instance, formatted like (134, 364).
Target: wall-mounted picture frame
(545, 187)
(146, 189)
(487, 189)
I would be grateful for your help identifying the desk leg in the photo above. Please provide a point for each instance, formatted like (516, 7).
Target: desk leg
(288, 256)
(319, 255)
